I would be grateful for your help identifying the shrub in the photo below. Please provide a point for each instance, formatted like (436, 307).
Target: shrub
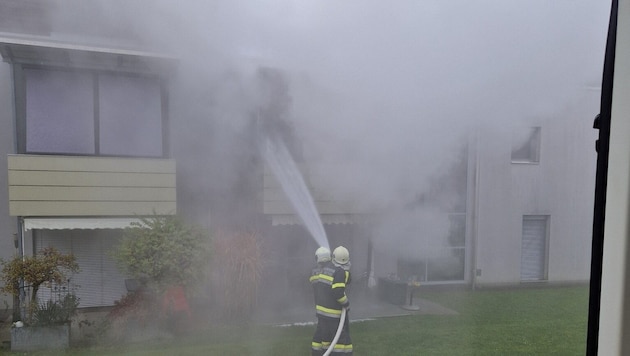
(52, 312)
(162, 252)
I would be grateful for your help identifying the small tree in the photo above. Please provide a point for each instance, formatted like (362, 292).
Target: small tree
(45, 268)
(162, 251)
(239, 263)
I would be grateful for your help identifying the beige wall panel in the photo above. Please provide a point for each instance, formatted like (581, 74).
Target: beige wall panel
(90, 186)
(274, 194)
(20, 193)
(105, 208)
(319, 195)
(277, 194)
(90, 164)
(277, 207)
(270, 181)
(337, 207)
(276, 202)
(90, 179)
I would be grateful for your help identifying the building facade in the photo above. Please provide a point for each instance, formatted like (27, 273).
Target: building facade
(92, 136)
(85, 147)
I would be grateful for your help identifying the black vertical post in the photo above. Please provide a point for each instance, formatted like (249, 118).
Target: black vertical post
(17, 298)
(602, 122)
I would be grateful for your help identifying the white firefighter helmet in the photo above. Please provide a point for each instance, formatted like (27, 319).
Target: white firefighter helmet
(341, 256)
(322, 254)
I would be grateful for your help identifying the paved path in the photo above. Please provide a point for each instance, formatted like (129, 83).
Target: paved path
(360, 309)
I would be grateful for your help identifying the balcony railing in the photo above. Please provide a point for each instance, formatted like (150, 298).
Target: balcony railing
(61, 186)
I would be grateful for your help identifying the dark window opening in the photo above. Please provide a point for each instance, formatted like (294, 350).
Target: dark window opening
(526, 146)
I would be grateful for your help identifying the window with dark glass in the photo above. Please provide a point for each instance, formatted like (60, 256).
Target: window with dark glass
(59, 112)
(129, 116)
(92, 113)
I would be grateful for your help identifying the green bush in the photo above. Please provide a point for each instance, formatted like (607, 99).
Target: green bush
(162, 252)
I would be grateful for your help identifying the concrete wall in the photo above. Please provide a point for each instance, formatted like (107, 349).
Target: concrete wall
(8, 225)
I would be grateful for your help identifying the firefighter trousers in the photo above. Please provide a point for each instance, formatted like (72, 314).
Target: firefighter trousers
(325, 333)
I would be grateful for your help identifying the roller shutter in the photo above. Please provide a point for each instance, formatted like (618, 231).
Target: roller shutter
(534, 248)
(99, 282)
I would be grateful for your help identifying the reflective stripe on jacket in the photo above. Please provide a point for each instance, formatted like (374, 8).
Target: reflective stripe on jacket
(329, 286)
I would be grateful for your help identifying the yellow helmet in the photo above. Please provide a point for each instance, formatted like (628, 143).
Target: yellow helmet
(341, 256)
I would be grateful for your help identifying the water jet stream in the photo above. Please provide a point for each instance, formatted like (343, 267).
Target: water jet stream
(292, 182)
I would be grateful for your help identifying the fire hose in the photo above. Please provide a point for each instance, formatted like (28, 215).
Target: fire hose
(342, 320)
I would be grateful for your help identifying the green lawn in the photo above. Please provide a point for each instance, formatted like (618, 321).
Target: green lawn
(516, 322)
(550, 321)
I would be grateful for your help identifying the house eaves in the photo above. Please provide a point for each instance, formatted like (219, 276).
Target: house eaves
(35, 50)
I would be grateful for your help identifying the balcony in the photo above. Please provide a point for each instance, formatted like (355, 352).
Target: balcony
(331, 209)
(70, 186)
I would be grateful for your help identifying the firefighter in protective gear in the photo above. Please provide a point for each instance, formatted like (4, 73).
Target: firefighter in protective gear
(322, 255)
(341, 258)
(329, 282)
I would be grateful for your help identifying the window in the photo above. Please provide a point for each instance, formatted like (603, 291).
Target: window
(526, 146)
(92, 113)
(447, 263)
(59, 112)
(130, 116)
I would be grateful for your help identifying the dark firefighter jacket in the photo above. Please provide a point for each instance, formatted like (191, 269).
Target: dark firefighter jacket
(329, 286)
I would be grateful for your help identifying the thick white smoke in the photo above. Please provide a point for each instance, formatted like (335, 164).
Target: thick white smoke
(385, 92)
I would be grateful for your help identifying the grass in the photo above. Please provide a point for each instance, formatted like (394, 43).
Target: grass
(516, 322)
(549, 321)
